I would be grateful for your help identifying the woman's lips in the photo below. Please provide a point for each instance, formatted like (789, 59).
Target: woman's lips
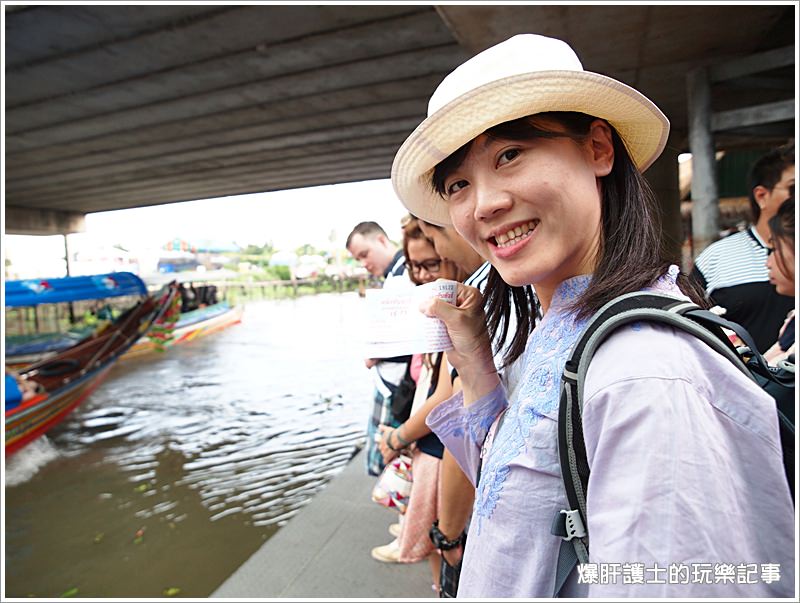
(509, 251)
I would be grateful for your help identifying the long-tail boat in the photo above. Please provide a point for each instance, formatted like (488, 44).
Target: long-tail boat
(196, 317)
(46, 316)
(61, 382)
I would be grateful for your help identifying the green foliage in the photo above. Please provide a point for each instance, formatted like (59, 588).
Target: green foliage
(277, 273)
(257, 253)
(251, 292)
(308, 250)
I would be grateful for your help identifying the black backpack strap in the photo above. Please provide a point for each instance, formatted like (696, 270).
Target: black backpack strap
(570, 524)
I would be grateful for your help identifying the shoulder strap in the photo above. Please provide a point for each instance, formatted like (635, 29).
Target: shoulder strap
(570, 524)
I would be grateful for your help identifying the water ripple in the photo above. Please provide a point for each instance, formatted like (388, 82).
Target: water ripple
(239, 429)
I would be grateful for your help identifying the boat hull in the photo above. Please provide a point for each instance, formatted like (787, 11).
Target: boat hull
(67, 379)
(195, 324)
(187, 333)
(38, 415)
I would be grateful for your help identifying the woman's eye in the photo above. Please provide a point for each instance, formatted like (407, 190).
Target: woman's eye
(507, 155)
(456, 186)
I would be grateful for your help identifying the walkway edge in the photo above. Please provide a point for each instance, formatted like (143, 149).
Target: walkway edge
(324, 550)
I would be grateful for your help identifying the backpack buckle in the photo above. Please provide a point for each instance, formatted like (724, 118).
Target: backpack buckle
(568, 525)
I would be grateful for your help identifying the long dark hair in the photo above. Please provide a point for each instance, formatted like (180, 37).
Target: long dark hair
(781, 227)
(499, 299)
(632, 255)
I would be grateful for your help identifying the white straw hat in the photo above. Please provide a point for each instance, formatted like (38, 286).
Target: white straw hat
(524, 75)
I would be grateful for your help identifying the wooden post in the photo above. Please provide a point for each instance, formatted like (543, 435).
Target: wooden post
(705, 200)
(66, 262)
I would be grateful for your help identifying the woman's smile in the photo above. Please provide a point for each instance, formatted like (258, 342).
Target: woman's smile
(509, 241)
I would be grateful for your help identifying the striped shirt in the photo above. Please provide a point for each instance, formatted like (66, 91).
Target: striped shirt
(478, 278)
(733, 272)
(737, 259)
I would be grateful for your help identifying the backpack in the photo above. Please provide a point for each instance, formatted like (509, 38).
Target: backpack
(571, 524)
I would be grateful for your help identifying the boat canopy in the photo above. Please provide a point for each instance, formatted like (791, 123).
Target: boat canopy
(33, 292)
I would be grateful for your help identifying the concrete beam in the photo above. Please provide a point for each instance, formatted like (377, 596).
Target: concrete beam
(57, 124)
(27, 221)
(753, 63)
(257, 179)
(225, 147)
(753, 116)
(114, 107)
(82, 153)
(197, 50)
(196, 179)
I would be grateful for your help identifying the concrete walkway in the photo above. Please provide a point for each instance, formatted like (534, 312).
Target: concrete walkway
(324, 550)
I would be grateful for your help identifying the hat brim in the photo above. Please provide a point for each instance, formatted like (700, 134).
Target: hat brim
(640, 124)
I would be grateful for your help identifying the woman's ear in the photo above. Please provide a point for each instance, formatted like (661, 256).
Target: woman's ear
(602, 147)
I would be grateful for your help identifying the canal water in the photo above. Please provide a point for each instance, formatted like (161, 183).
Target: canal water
(179, 467)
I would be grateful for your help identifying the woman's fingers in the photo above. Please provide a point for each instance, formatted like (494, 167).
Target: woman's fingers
(466, 325)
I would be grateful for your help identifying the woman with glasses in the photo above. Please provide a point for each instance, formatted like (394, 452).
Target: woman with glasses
(780, 264)
(413, 544)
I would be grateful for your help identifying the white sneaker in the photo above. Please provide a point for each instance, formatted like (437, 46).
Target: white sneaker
(395, 529)
(388, 553)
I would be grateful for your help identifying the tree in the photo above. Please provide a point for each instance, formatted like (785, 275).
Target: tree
(307, 249)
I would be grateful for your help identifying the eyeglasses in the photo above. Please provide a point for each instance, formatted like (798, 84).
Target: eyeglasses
(432, 266)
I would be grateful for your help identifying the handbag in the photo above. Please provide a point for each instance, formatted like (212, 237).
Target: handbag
(394, 484)
(403, 397)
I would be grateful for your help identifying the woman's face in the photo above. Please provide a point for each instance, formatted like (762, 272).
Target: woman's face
(780, 264)
(425, 264)
(532, 207)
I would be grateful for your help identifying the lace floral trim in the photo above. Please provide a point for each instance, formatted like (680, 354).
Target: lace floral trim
(539, 389)
(474, 421)
(537, 395)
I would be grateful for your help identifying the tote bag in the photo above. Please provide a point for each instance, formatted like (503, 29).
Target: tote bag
(394, 484)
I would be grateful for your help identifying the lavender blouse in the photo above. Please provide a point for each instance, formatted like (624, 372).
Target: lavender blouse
(687, 495)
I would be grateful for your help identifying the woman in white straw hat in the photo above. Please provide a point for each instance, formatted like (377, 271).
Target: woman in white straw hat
(537, 163)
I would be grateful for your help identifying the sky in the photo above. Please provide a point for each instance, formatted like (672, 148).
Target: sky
(321, 216)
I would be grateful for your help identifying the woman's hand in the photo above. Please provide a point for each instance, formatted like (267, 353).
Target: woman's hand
(387, 453)
(472, 351)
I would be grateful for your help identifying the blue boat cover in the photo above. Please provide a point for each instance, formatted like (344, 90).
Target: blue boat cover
(33, 292)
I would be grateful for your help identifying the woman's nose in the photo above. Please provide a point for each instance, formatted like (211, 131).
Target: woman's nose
(491, 201)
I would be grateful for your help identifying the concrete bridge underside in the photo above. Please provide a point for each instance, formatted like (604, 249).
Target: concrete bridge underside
(111, 107)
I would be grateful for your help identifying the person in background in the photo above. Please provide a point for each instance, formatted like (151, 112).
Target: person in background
(457, 493)
(733, 270)
(781, 263)
(538, 164)
(369, 244)
(18, 389)
(433, 387)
